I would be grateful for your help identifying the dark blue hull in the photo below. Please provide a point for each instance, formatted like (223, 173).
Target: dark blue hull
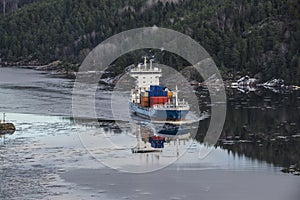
(161, 115)
(169, 129)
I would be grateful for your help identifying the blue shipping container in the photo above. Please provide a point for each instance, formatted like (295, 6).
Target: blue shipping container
(156, 88)
(158, 93)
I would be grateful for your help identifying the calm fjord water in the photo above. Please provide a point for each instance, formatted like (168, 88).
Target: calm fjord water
(47, 156)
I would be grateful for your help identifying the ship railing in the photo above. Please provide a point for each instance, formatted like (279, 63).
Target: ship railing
(183, 102)
(180, 105)
(145, 70)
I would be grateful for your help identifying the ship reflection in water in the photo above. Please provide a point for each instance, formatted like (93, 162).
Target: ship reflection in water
(154, 138)
(140, 146)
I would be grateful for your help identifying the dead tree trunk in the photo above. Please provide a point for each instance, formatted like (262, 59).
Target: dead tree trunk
(4, 5)
(14, 4)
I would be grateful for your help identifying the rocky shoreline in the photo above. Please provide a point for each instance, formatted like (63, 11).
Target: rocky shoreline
(56, 68)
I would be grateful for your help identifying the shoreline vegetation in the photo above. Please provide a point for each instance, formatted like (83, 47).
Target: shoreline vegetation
(65, 69)
(250, 37)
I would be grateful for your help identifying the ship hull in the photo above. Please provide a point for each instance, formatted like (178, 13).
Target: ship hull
(159, 114)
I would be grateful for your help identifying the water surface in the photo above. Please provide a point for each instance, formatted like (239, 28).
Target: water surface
(53, 156)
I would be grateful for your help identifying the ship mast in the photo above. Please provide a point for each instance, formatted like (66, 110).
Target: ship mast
(176, 96)
(145, 62)
(151, 61)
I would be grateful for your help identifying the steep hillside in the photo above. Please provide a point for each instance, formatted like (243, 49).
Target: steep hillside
(246, 36)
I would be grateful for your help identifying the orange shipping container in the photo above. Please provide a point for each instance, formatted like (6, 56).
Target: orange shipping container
(145, 99)
(145, 104)
(170, 94)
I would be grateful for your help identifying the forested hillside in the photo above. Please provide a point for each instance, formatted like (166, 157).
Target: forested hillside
(8, 6)
(247, 36)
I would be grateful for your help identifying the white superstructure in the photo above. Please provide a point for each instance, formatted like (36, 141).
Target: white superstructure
(146, 76)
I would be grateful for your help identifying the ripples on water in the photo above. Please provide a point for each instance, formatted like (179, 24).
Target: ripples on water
(261, 132)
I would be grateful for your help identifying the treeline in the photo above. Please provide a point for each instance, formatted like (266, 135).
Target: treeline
(242, 36)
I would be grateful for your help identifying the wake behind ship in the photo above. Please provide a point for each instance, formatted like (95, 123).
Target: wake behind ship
(151, 100)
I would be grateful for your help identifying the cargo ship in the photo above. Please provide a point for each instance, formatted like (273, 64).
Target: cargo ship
(151, 100)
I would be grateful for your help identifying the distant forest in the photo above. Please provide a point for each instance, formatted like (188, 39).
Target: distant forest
(242, 36)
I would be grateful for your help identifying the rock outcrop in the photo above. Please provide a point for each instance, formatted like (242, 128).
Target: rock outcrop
(7, 128)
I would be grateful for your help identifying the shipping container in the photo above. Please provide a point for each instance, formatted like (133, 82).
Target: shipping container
(145, 94)
(158, 93)
(170, 94)
(158, 88)
(145, 103)
(144, 98)
(158, 100)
